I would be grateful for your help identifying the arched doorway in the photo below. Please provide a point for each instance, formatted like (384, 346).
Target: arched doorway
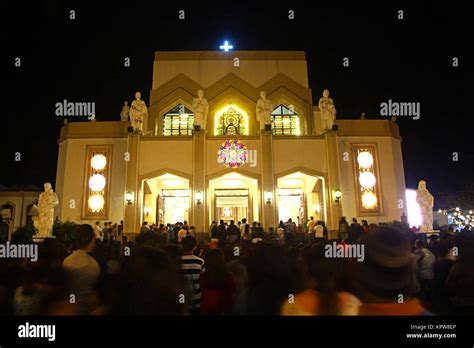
(233, 196)
(165, 199)
(300, 196)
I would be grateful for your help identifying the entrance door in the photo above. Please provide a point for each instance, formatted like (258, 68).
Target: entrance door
(231, 204)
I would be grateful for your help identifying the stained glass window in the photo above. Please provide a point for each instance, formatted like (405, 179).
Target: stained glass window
(231, 122)
(285, 121)
(178, 121)
(232, 154)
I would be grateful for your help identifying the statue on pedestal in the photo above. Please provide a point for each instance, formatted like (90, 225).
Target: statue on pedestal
(426, 201)
(328, 111)
(124, 112)
(264, 111)
(138, 112)
(200, 109)
(46, 203)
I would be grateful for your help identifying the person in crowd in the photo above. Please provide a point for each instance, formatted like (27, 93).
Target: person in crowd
(425, 261)
(233, 232)
(319, 230)
(310, 226)
(148, 284)
(214, 230)
(82, 269)
(460, 282)
(242, 227)
(222, 233)
(217, 285)
(365, 226)
(343, 229)
(355, 231)
(441, 268)
(384, 281)
(144, 228)
(191, 267)
(181, 234)
(281, 230)
(269, 280)
(98, 231)
(323, 286)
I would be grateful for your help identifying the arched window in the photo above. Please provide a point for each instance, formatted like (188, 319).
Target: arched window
(231, 121)
(178, 121)
(285, 121)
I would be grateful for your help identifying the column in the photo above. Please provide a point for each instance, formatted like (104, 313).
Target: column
(199, 182)
(132, 214)
(267, 217)
(334, 209)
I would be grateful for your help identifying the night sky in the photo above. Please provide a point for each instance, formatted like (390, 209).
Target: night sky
(407, 60)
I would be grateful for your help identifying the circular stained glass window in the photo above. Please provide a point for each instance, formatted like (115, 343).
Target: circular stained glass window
(232, 154)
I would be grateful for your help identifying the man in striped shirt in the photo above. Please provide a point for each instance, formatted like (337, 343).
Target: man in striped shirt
(191, 267)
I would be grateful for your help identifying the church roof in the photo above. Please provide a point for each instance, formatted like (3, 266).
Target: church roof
(221, 55)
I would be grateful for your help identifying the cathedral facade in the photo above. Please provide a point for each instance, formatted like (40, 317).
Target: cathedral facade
(232, 166)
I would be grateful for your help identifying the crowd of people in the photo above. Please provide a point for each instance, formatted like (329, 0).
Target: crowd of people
(243, 269)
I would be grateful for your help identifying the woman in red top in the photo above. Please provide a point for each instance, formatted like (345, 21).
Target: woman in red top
(217, 285)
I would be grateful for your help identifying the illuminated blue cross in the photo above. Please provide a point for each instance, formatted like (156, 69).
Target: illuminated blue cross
(226, 47)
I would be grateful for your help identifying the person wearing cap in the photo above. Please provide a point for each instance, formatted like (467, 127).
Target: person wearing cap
(385, 280)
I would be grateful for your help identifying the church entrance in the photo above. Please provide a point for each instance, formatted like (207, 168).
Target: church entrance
(166, 199)
(233, 197)
(300, 196)
(231, 204)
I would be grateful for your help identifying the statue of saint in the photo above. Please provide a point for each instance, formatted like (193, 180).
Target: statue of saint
(264, 111)
(46, 203)
(328, 111)
(138, 112)
(124, 112)
(426, 201)
(200, 109)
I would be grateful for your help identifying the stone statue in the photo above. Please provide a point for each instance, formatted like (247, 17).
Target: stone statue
(124, 112)
(264, 111)
(46, 203)
(426, 201)
(138, 112)
(328, 111)
(200, 109)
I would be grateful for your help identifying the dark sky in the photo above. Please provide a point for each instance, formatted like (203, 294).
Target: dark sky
(406, 60)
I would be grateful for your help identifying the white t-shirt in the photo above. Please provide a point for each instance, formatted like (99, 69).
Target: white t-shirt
(83, 271)
(319, 231)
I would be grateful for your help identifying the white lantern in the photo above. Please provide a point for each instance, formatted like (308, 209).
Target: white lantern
(369, 200)
(98, 162)
(367, 180)
(365, 159)
(96, 202)
(97, 182)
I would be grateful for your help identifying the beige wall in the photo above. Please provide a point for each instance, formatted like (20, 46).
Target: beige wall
(156, 154)
(300, 152)
(206, 72)
(391, 175)
(70, 178)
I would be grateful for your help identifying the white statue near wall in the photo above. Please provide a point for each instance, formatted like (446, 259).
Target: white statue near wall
(46, 203)
(138, 112)
(125, 111)
(328, 111)
(426, 202)
(200, 109)
(264, 111)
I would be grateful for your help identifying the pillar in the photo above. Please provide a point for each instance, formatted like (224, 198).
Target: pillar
(199, 182)
(268, 216)
(334, 209)
(131, 214)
